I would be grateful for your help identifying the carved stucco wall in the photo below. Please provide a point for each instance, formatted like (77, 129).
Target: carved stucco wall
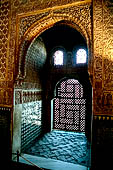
(22, 6)
(32, 63)
(6, 62)
(103, 57)
(27, 115)
(24, 19)
(33, 24)
(102, 83)
(14, 25)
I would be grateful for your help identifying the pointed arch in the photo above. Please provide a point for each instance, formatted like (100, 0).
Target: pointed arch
(39, 27)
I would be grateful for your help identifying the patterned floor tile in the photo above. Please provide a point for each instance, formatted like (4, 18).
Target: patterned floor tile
(64, 146)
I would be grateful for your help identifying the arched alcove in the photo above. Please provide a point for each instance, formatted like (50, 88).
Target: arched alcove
(40, 27)
(41, 89)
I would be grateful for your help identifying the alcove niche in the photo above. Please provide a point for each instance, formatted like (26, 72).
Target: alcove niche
(51, 88)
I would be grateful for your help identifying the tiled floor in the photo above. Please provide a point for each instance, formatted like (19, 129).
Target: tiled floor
(68, 147)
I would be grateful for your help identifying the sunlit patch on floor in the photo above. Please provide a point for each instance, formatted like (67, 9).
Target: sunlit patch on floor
(64, 146)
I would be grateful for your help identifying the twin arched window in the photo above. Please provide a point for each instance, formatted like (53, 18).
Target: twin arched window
(80, 57)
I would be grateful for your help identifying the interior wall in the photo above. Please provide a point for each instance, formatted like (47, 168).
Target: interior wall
(27, 116)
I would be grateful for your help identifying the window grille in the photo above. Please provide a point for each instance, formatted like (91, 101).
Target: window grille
(69, 106)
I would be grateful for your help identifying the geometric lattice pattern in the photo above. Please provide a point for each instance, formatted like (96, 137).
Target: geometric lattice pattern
(69, 106)
(31, 122)
(4, 26)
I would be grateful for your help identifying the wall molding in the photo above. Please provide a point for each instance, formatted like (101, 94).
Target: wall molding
(25, 96)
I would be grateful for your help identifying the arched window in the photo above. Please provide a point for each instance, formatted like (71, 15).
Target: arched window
(81, 56)
(58, 57)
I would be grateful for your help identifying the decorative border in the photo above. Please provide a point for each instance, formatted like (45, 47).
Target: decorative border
(25, 96)
(24, 6)
(6, 61)
(103, 117)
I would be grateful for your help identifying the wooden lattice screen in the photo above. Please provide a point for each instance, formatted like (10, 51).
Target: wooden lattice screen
(69, 106)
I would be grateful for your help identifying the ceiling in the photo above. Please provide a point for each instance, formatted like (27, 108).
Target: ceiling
(64, 36)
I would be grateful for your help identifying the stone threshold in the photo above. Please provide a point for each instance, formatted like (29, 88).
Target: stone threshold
(51, 164)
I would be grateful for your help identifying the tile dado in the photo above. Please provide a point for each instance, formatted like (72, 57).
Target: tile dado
(31, 122)
(26, 96)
